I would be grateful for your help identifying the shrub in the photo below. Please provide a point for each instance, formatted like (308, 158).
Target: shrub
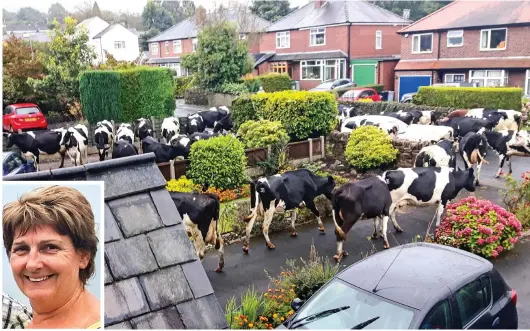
(369, 147)
(478, 226)
(470, 97)
(262, 133)
(181, 84)
(182, 184)
(242, 111)
(517, 198)
(233, 88)
(366, 100)
(375, 108)
(196, 96)
(377, 87)
(275, 82)
(219, 162)
(252, 83)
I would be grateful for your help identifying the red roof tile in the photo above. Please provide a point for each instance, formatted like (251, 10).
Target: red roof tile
(463, 64)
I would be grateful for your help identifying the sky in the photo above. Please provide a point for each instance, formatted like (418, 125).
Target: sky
(93, 192)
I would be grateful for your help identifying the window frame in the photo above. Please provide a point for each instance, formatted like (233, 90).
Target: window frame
(154, 46)
(121, 44)
(463, 80)
(419, 43)
(340, 71)
(451, 313)
(479, 313)
(527, 82)
(175, 49)
(489, 40)
(194, 44)
(503, 77)
(315, 32)
(461, 36)
(284, 34)
(279, 67)
(379, 35)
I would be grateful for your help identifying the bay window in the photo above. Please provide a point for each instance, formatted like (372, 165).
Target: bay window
(283, 39)
(323, 69)
(493, 39)
(489, 78)
(317, 37)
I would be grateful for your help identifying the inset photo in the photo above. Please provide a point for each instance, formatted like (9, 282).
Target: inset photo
(52, 261)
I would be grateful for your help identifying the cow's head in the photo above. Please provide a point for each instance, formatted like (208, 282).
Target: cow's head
(194, 125)
(465, 179)
(522, 138)
(329, 187)
(10, 139)
(496, 117)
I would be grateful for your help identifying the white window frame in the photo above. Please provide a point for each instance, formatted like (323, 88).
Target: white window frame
(194, 44)
(489, 40)
(283, 35)
(459, 34)
(419, 43)
(154, 48)
(177, 46)
(120, 44)
(315, 33)
(339, 74)
(503, 78)
(167, 47)
(527, 82)
(379, 39)
(453, 75)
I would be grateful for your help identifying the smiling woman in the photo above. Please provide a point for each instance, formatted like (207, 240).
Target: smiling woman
(51, 243)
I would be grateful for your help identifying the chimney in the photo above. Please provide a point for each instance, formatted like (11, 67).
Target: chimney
(406, 14)
(319, 3)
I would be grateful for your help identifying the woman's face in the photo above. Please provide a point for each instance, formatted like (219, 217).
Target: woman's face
(46, 265)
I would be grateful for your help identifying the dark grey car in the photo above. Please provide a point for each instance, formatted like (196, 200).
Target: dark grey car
(412, 286)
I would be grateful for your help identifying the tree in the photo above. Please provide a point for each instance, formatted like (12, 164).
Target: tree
(57, 11)
(9, 16)
(30, 15)
(112, 64)
(418, 9)
(144, 45)
(271, 10)
(83, 11)
(188, 8)
(95, 10)
(174, 9)
(155, 16)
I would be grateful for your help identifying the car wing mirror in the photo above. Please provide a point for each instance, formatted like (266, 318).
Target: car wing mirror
(296, 304)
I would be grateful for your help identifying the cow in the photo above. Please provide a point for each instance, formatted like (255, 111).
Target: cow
(440, 155)
(200, 215)
(283, 192)
(473, 150)
(32, 144)
(225, 124)
(508, 143)
(423, 187)
(462, 125)
(196, 124)
(403, 116)
(431, 133)
(143, 128)
(183, 142)
(194, 137)
(170, 127)
(163, 152)
(511, 119)
(423, 117)
(364, 199)
(125, 132)
(123, 148)
(104, 138)
(388, 128)
(75, 140)
(344, 113)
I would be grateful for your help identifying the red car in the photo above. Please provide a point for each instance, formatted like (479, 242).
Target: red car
(360, 93)
(24, 116)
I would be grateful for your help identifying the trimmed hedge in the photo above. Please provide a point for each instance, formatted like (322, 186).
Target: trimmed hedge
(275, 82)
(252, 83)
(368, 147)
(470, 97)
(181, 84)
(262, 133)
(375, 108)
(243, 111)
(126, 95)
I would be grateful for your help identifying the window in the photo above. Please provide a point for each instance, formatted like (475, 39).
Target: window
(489, 78)
(283, 39)
(167, 47)
(194, 44)
(13, 163)
(493, 39)
(154, 49)
(471, 301)
(455, 38)
(454, 78)
(317, 37)
(278, 67)
(527, 86)
(323, 69)
(439, 317)
(311, 70)
(119, 44)
(378, 40)
(177, 46)
(422, 43)
(486, 287)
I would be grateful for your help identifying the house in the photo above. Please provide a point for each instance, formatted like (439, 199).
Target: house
(334, 39)
(483, 42)
(30, 32)
(167, 48)
(153, 277)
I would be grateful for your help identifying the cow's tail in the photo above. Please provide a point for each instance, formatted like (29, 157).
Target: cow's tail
(254, 201)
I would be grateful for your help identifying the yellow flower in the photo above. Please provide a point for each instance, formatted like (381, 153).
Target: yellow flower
(291, 312)
(291, 290)
(275, 315)
(282, 319)
(266, 294)
(251, 325)
(236, 318)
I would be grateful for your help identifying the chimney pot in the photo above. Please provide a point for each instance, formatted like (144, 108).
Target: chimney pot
(319, 3)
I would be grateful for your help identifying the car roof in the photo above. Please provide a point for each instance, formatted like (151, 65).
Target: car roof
(24, 105)
(411, 274)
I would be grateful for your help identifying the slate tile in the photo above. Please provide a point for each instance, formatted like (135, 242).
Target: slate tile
(203, 313)
(112, 232)
(120, 326)
(69, 173)
(130, 257)
(108, 276)
(166, 287)
(166, 207)
(168, 318)
(124, 300)
(135, 214)
(197, 279)
(171, 246)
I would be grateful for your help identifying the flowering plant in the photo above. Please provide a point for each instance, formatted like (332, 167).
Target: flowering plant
(478, 226)
(184, 184)
(517, 197)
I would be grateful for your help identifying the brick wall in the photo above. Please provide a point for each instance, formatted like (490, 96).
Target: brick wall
(336, 38)
(385, 74)
(406, 48)
(363, 40)
(516, 78)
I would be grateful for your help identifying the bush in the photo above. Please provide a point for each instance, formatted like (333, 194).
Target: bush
(219, 162)
(377, 87)
(252, 83)
(100, 95)
(196, 96)
(369, 147)
(242, 111)
(478, 226)
(233, 88)
(517, 198)
(262, 133)
(181, 84)
(182, 184)
(275, 82)
(375, 108)
(470, 97)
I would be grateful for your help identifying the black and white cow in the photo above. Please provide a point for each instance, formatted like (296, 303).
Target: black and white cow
(143, 128)
(183, 142)
(199, 121)
(440, 155)
(473, 150)
(424, 117)
(202, 136)
(196, 124)
(345, 112)
(386, 127)
(125, 132)
(170, 127)
(104, 138)
(511, 119)
(32, 144)
(508, 143)
(75, 140)
(200, 215)
(123, 148)
(462, 125)
(225, 124)
(423, 187)
(163, 152)
(403, 116)
(283, 192)
(364, 199)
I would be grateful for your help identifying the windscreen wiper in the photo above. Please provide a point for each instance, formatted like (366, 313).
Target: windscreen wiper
(364, 324)
(315, 316)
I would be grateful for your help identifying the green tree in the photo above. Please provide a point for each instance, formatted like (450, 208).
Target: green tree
(271, 10)
(144, 45)
(188, 8)
(57, 11)
(30, 15)
(95, 10)
(9, 16)
(155, 16)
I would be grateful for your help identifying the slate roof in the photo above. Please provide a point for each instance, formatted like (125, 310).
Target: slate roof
(153, 278)
(164, 60)
(33, 36)
(336, 12)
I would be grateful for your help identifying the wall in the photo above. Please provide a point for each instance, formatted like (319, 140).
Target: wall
(363, 41)
(406, 48)
(385, 74)
(336, 38)
(119, 33)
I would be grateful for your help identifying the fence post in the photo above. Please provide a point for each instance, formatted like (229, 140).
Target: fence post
(322, 146)
(172, 169)
(310, 149)
(154, 126)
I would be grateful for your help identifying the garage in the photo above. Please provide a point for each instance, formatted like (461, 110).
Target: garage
(363, 72)
(410, 84)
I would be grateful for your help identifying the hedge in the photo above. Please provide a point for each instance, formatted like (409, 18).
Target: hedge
(181, 84)
(252, 83)
(126, 95)
(368, 147)
(275, 82)
(375, 108)
(243, 111)
(470, 97)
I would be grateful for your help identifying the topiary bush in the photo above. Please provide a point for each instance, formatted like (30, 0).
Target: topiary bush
(478, 226)
(275, 82)
(368, 147)
(262, 133)
(219, 162)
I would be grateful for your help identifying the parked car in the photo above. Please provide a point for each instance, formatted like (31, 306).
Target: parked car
(412, 286)
(360, 93)
(13, 163)
(334, 84)
(24, 116)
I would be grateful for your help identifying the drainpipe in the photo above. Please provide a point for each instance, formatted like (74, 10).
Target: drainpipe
(348, 64)
(438, 53)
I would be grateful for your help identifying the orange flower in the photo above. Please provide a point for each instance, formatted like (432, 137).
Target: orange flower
(236, 318)
(251, 325)
(291, 290)
(270, 290)
(282, 290)
(240, 323)
(291, 312)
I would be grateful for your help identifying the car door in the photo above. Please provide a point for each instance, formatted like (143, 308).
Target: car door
(440, 317)
(474, 305)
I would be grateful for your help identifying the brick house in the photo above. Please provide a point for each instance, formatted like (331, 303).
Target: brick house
(483, 42)
(332, 40)
(167, 48)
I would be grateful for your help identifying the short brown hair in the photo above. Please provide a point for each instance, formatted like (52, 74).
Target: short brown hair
(63, 208)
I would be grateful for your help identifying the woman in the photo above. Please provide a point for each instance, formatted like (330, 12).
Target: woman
(51, 242)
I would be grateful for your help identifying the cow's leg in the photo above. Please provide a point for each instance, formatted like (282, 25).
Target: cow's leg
(293, 220)
(63, 154)
(385, 239)
(508, 159)
(250, 224)
(477, 180)
(501, 164)
(219, 245)
(267, 219)
(311, 205)
(376, 225)
(439, 212)
(392, 216)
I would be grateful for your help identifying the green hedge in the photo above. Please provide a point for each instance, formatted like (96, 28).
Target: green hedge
(375, 108)
(470, 97)
(243, 111)
(181, 84)
(275, 82)
(368, 147)
(262, 133)
(126, 95)
(252, 84)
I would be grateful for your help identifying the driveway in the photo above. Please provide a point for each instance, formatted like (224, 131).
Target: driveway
(183, 110)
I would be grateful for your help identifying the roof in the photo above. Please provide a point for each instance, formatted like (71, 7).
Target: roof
(336, 12)
(469, 14)
(25, 27)
(260, 58)
(411, 274)
(188, 29)
(110, 27)
(164, 60)
(153, 278)
(308, 56)
(463, 64)
(42, 37)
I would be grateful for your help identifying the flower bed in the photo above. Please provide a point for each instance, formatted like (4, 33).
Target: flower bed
(184, 184)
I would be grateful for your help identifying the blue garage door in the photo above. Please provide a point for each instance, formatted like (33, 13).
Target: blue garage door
(410, 84)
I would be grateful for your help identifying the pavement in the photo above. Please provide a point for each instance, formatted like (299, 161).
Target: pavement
(183, 110)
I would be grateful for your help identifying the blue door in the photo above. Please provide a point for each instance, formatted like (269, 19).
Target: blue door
(411, 84)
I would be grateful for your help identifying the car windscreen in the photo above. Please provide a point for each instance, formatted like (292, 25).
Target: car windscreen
(27, 111)
(352, 94)
(363, 307)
